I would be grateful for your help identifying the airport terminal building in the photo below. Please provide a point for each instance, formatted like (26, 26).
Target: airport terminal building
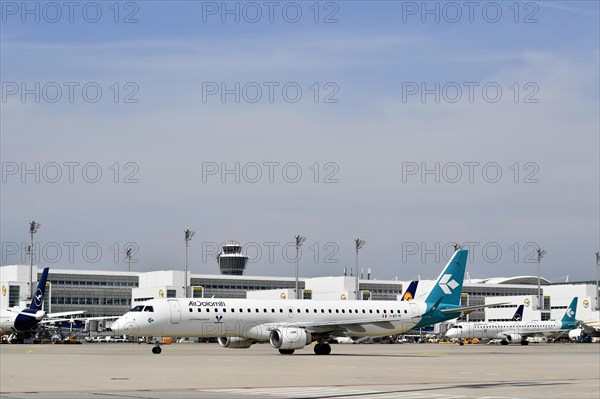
(109, 293)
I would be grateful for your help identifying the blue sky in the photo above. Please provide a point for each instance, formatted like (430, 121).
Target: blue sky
(545, 125)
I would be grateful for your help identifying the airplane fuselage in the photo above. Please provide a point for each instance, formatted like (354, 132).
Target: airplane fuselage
(13, 321)
(254, 318)
(504, 330)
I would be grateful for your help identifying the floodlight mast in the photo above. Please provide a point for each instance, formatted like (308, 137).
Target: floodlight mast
(188, 234)
(33, 228)
(299, 241)
(540, 254)
(128, 256)
(358, 245)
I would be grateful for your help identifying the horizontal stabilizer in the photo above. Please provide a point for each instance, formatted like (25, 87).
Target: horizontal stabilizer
(469, 309)
(63, 314)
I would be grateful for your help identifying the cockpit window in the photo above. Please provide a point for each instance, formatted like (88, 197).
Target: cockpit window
(149, 309)
(138, 308)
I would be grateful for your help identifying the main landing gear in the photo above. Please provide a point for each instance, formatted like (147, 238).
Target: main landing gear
(156, 349)
(286, 351)
(322, 349)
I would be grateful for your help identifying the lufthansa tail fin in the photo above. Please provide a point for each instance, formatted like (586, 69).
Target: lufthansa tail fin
(449, 284)
(38, 297)
(568, 320)
(410, 292)
(518, 314)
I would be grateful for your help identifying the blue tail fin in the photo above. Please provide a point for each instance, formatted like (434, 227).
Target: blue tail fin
(568, 320)
(518, 314)
(410, 292)
(38, 298)
(449, 284)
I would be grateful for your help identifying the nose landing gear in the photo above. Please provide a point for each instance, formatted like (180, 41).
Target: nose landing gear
(156, 349)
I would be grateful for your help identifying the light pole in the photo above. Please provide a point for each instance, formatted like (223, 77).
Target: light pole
(188, 237)
(597, 278)
(358, 244)
(128, 256)
(299, 241)
(540, 254)
(33, 228)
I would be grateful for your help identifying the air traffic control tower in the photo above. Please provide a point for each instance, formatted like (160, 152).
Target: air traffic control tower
(231, 260)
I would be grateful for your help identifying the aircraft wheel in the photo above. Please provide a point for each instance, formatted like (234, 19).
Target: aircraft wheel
(286, 351)
(525, 342)
(504, 342)
(156, 350)
(317, 349)
(322, 349)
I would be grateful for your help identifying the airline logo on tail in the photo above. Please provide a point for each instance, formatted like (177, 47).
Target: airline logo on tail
(444, 284)
(568, 320)
(38, 298)
(518, 316)
(570, 312)
(411, 291)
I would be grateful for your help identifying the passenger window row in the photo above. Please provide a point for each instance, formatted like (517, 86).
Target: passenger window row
(232, 310)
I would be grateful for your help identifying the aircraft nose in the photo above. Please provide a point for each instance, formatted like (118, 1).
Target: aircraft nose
(451, 333)
(116, 326)
(125, 325)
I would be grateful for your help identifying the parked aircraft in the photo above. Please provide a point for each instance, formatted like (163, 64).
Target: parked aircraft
(292, 324)
(22, 323)
(515, 331)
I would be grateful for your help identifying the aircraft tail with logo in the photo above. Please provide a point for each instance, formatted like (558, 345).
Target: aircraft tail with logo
(37, 302)
(518, 316)
(443, 300)
(410, 292)
(568, 320)
(448, 286)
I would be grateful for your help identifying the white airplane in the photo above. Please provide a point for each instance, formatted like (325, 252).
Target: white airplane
(21, 323)
(515, 331)
(587, 330)
(292, 324)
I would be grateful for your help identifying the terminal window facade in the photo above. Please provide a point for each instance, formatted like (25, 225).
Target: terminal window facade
(14, 292)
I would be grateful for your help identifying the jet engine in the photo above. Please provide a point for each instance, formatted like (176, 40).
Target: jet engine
(235, 342)
(510, 338)
(289, 338)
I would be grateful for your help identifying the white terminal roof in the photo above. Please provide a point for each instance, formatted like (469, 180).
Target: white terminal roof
(517, 280)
